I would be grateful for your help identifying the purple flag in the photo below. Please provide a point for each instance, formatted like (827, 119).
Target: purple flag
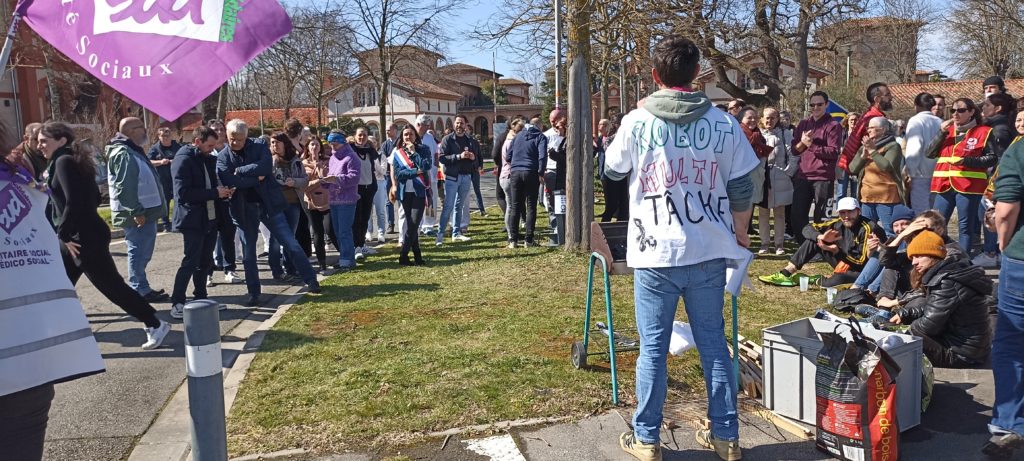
(167, 55)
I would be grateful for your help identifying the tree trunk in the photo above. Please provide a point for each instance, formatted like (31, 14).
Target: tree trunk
(222, 102)
(579, 204)
(51, 84)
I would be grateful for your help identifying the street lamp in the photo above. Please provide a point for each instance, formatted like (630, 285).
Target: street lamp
(849, 55)
(261, 95)
(337, 113)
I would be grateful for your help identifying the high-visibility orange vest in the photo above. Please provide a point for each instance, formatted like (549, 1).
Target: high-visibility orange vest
(961, 178)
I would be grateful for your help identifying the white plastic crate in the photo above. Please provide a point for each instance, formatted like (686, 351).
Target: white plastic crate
(791, 350)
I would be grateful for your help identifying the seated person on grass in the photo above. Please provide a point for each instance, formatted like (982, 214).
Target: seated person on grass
(871, 277)
(845, 243)
(952, 315)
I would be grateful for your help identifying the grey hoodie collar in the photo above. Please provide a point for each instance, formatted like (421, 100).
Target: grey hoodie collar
(678, 107)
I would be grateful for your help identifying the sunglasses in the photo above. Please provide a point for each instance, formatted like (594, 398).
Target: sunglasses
(817, 104)
(961, 110)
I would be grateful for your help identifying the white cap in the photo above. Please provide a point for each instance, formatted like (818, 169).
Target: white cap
(847, 204)
(422, 119)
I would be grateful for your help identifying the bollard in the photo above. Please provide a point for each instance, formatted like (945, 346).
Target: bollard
(205, 381)
(558, 211)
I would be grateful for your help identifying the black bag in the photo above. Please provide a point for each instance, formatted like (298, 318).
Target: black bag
(848, 299)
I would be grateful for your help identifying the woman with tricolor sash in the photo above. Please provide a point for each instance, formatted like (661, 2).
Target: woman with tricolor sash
(411, 162)
(964, 154)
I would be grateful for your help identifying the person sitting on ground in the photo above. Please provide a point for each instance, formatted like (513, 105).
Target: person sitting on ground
(871, 277)
(845, 243)
(952, 316)
(898, 267)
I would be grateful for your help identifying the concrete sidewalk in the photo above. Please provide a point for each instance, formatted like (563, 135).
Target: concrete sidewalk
(102, 417)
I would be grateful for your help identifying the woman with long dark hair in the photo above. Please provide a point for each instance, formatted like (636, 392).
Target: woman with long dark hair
(411, 163)
(316, 164)
(964, 153)
(291, 175)
(367, 156)
(84, 236)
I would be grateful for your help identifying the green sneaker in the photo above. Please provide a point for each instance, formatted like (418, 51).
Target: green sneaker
(778, 279)
(728, 451)
(639, 450)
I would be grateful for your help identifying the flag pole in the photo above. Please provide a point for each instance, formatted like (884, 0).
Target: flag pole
(5, 54)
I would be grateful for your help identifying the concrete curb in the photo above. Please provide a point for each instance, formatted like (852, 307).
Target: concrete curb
(169, 438)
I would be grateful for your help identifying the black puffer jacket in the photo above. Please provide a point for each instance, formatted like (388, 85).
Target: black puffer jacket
(956, 310)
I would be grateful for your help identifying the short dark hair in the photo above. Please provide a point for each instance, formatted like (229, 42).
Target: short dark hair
(463, 117)
(819, 93)
(1007, 102)
(937, 96)
(874, 90)
(203, 133)
(293, 127)
(924, 100)
(675, 60)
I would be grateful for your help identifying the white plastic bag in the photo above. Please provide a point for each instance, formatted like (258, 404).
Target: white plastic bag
(682, 338)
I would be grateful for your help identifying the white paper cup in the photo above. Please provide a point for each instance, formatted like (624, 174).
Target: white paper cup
(804, 281)
(830, 295)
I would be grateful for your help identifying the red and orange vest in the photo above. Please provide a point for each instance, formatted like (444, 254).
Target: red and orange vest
(962, 179)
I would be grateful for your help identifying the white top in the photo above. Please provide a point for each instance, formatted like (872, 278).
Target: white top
(921, 130)
(678, 208)
(554, 140)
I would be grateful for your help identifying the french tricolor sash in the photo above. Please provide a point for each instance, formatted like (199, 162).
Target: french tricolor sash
(422, 177)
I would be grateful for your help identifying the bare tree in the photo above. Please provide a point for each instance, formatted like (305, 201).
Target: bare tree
(987, 37)
(579, 162)
(320, 32)
(386, 32)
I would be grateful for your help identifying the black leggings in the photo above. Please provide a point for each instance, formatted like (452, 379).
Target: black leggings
(321, 221)
(413, 208)
(616, 199)
(23, 418)
(98, 266)
(364, 208)
(809, 249)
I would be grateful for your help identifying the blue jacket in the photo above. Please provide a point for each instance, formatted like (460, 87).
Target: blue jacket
(159, 152)
(243, 171)
(403, 174)
(529, 151)
(191, 195)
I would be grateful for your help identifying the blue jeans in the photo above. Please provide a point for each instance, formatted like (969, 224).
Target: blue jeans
(870, 276)
(1007, 344)
(456, 191)
(249, 232)
(284, 234)
(656, 295)
(966, 206)
(342, 217)
(880, 213)
(291, 214)
(141, 241)
(846, 186)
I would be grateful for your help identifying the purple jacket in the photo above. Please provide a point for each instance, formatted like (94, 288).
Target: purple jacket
(345, 166)
(818, 162)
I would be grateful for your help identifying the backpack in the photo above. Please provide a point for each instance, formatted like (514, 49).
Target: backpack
(848, 299)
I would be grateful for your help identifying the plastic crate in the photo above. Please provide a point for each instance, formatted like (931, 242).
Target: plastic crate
(791, 350)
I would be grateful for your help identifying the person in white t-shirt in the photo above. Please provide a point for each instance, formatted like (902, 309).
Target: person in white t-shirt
(921, 129)
(689, 205)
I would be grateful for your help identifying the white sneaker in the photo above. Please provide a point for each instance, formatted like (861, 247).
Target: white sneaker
(985, 260)
(359, 255)
(209, 281)
(780, 252)
(439, 243)
(369, 236)
(380, 238)
(155, 336)
(232, 277)
(460, 238)
(369, 251)
(763, 251)
(511, 245)
(178, 311)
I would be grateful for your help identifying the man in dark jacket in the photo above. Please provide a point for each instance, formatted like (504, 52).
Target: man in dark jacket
(845, 243)
(527, 156)
(196, 192)
(245, 164)
(817, 141)
(458, 154)
(161, 155)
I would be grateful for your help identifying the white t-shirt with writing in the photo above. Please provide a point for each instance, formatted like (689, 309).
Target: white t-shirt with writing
(679, 213)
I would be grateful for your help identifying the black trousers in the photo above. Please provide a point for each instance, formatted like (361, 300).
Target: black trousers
(322, 229)
(943, 357)
(523, 187)
(616, 200)
(96, 263)
(196, 263)
(364, 208)
(302, 233)
(804, 193)
(23, 419)
(809, 249)
(413, 208)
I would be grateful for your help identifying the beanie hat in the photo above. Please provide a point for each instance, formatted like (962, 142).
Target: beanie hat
(927, 243)
(994, 80)
(902, 213)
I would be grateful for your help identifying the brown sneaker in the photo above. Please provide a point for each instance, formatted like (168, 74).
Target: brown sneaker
(728, 451)
(639, 450)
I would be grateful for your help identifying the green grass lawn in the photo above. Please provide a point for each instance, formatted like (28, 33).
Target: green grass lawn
(481, 335)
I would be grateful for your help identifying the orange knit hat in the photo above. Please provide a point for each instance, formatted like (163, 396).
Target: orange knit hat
(927, 243)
